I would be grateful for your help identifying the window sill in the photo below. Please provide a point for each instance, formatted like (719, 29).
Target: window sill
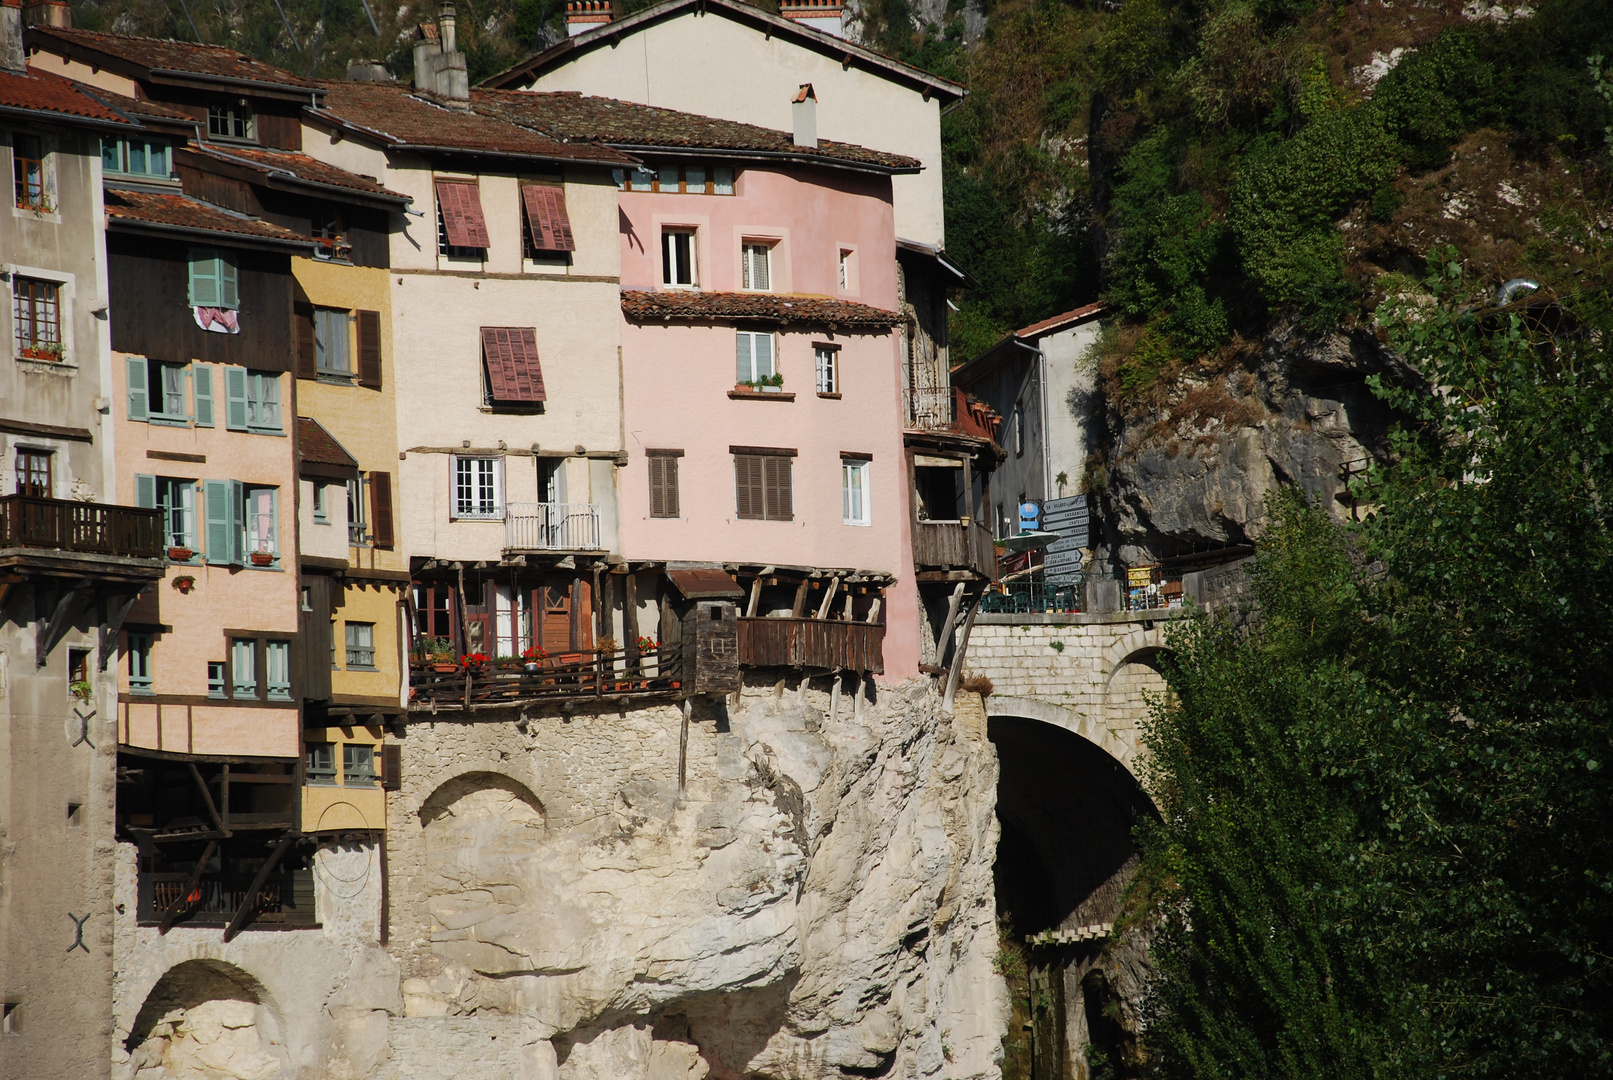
(146, 690)
(858, 524)
(831, 395)
(168, 421)
(337, 378)
(477, 518)
(761, 395)
(278, 432)
(360, 667)
(311, 782)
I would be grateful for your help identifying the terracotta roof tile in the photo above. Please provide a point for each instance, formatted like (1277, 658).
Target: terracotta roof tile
(139, 107)
(785, 308)
(183, 212)
(157, 54)
(1058, 320)
(315, 444)
(629, 125)
(39, 92)
(399, 116)
(301, 166)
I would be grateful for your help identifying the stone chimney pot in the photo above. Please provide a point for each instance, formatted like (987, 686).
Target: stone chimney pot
(804, 112)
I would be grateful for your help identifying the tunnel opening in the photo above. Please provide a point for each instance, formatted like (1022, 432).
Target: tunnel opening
(1066, 811)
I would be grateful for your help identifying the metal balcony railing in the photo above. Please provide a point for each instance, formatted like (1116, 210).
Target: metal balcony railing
(552, 527)
(927, 408)
(93, 528)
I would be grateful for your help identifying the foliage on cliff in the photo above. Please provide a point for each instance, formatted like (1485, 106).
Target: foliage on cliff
(1385, 849)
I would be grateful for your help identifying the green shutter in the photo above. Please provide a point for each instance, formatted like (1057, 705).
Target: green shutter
(145, 491)
(216, 510)
(235, 398)
(237, 523)
(204, 283)
(139, 389)
(229, 291)
(204, 394)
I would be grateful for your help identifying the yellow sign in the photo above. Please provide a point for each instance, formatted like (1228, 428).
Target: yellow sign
(1139, 575)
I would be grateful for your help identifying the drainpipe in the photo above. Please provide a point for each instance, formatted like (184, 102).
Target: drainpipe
(1041, 380)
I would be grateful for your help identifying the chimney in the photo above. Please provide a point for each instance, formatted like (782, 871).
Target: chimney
(804, 111)
(49, 13)
(825, 15)
(584, 15)
(439, 67)
(368, 71)
(12, 55)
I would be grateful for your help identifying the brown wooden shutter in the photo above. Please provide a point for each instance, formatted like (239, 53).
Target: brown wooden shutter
(776, 482)
(669, 482)
(381, 509)
(307, 361)
(369, 349)
(547, 218)
(749, 495)
(657, 486)
(461, 204)
(513, 371)
(391, 767)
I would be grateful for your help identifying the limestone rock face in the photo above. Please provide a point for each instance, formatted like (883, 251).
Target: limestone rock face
(817, 899)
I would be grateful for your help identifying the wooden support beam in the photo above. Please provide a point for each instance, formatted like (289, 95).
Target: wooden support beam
(50, 631)
(873, 609)
(957, 659)
(943, 640)
(207, 798)
(798, 609)
(755, 598)
(117, 610)
(630, 619)
(828, 598)
(172, 911)
(243, 912)
(683, 746)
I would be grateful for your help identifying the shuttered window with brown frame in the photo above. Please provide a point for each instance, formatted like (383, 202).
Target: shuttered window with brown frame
(763, 483)
(664, 483)
(514, 376)
(391, 767)
(381, 528)
(307, 355)
(547, 220)
(369, 349)
(460, 203)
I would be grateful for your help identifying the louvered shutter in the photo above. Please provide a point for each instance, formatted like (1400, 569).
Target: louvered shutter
(461, 204)
(307, 357)
(749, 490)
(145, 492)
(235, 398)
(217, 513)
(669, 484)
(513, 372)
(776, 482)
(237, 496)
(369, 349)
(229, 290)
(657, 486)
(204, 394)
(391, 767)
(381, 509)
(546, 216)
(139, 389)
(204, 285)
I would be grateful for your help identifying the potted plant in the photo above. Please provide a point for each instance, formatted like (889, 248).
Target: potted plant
(440, 651)
(184, 583)
(649, 663)
(607, 644)
(475, 661)
(49, 350)
(180, 554)
(532, 659)
(772, 383)
(263, 558)
(82, 689)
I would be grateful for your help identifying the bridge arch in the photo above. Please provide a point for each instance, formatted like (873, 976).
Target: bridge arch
(209, 1017)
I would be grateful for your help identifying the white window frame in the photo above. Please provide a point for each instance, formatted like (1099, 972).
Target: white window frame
(358, 519)
(846, 269)
(478, 467)
(250, 539)
(756, 266)
(263, 411)
(690, 235)
(752, 372)
(324, 319)
(359, 777)
(856, 477)
(826, 361)
(180, 511)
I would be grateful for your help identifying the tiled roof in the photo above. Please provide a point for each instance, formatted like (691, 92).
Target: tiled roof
(319, 446)
(300, 166)
(399, 116)
(783, 308)
(182, 57)
(140, 108)
(183, 212)
(629, 125)
(42, 93)
(1058, 320)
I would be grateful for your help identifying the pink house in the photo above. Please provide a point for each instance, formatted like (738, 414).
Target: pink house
(762, 398)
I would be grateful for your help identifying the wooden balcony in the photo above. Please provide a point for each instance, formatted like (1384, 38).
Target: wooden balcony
(570, 677)
(285, 899)
(823, 644)
(79, 527)
(954, 545)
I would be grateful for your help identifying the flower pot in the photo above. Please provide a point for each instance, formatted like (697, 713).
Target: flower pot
(262, 558)
(180, 554)
(532, 667)
(184, 584)
(445, 669)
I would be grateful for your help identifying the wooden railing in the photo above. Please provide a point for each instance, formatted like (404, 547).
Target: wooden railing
(568, 677)
(954, 545)
(826, 644)
(95, 528)
(286, 898)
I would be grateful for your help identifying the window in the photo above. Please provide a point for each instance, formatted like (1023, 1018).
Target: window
(214, 280)
(357, 526)
(244, 667)
(135, 157)
(477, 484)
(755, 267)
(28, 171)
(756, 365)
(261, 514)
(333, 352)
(461, 228)
(177, 500)
(828, 367)
(692, 179)
(1019, 434)
(319, 763)
(277, 665)
(848, 270)
(545, 224)
(360, 645)
(231, 118)
(262, 400)
(358, 765)
(157, 392)
(33, 473)
(165, 388)
(215, 678)
(854, 491)
(140, 663)
(329, 227)
(664, 482)
(37, 318)
(677, 258)
(78, 666)
(321, 515)
(763, 484)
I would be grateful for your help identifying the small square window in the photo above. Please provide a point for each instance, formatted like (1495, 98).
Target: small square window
(358, 765)
(33, 473)
(10, 1018)
(756, 267)
(75, 815)
(333, 348)
(360, 645)
(477, 484)
(231, 118)
(320, 514)
(28, 170)
(319, 763)
(215, 679)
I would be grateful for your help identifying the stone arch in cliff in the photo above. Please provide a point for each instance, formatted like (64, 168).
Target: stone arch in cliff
(1133, 677)
(206, 1017)
(481, 834)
